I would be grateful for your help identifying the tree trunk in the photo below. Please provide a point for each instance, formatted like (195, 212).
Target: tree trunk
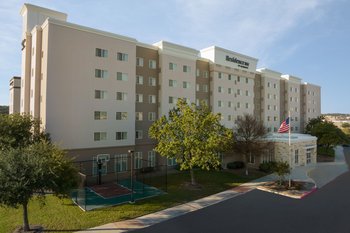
(193, 181)
(25, 217)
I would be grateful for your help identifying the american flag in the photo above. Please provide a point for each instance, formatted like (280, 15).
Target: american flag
(284, 126)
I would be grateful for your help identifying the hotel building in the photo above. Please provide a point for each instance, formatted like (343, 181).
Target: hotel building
(98, 93)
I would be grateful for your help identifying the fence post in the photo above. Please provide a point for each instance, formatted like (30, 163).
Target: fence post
(131, 152)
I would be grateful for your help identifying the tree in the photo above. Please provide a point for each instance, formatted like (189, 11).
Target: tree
(281, 168)
(19, 131)
(248, 134)
(32, 171)
(328, 135)
(192, 135)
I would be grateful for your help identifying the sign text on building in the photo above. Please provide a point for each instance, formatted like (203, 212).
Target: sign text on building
(240, 63)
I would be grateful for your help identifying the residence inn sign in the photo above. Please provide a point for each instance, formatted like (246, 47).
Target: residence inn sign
(229, 58)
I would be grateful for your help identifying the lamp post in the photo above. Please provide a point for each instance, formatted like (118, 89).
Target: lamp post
(131, 152)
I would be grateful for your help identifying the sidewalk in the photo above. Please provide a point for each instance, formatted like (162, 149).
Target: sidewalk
(319, 174)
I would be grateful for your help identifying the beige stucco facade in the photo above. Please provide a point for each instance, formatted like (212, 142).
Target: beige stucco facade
(15, 95)
(97, 92)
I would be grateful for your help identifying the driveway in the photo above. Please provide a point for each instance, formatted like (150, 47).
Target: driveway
(325, 211)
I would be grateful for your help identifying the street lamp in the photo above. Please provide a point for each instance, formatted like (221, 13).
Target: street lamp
(131, 152)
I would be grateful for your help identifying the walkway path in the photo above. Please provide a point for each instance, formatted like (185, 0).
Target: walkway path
(320, 174)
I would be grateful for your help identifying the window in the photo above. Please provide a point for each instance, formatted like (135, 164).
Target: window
(122, 57)
(229, 117)
(139, 61)
(246, 93)
(172, 100)
(101, 52)
(138, 160)
(186, 85)
(206, 74)
(229, 104)
(104, 158)
(296, 118)
(246, 105)
(101, 73)
(238, 78)
(121, 116)
(274, 118)
(99, 94)
(296, 156)
(100, 136)
(251, 159)
(152, 99)
(268, 107)
(151, 158)
(139, 116)
(122, 96)
(238, 105)
(268, 118)
(205, 88)
(219, 75)
(197, 102)
(274, 96)
(139, 80)
(274, 85)
(186, 69)
(229, 77)
(220, 89)
(151, 116)
(172, 66)
(275, 107)
(122, 76)
(198, 73)
(171, 161)
(152, 64)
(152, 81)
(172, 83)
(229, 90)
(121, 136)
(100, 115)
(268, 84)
(197, 87)
(139, 98)
(238, 92)
(138, 134)
(220, 103)
(308, 155)
(121, 163)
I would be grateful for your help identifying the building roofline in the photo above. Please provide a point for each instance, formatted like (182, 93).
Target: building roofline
(88, 29)
(27, 6)
(228, 51)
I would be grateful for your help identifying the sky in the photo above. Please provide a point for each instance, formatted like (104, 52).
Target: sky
(309, 39)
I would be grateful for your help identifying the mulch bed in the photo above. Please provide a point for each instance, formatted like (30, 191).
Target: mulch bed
(298, 189)
(109, 190)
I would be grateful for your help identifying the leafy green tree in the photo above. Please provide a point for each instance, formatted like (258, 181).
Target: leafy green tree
(328, 134)
(313, 122)
(281, 168)
(32, 171)
(247, 137)
(192, 135)
(18, 131)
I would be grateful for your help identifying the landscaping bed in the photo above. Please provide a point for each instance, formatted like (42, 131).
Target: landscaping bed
(298, 189)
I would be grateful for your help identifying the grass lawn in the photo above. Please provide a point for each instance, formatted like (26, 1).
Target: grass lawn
(63, 216)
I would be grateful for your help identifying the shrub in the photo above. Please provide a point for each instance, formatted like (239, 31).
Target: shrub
(235, 165)
(267, 166)
(325, 151)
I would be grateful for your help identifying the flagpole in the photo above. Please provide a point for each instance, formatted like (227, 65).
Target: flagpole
(289, 149)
